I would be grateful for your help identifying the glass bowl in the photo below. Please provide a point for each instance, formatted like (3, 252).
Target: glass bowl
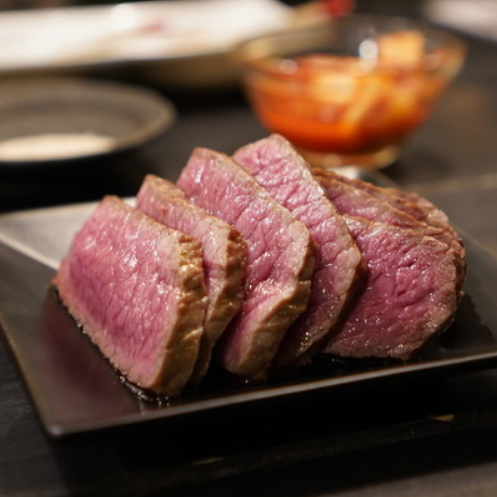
(349, 91)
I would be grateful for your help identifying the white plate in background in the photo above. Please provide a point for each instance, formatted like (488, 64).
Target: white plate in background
(478, 17)
(148, 35)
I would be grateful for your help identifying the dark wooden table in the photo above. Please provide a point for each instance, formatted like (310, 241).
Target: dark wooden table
(434, 436)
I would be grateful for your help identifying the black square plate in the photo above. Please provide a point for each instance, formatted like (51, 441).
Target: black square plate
(75, 390)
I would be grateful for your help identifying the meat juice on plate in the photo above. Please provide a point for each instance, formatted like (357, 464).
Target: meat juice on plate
(349, 105)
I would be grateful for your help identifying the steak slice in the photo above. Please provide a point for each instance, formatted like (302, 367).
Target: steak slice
(280, 260)
(359, 203)
(409, 203)
(137, 289)
(393, 196)
(224, 252)
(277, 167)
(410, 293)
(360, 198)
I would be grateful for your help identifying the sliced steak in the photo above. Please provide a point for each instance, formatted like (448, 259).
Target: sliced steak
(277, 167)
(394, 197)
(410, 293)
(410, 203)
(137, 289)
(224, 252)
(360, 198)
(280, 259)
(359, 203)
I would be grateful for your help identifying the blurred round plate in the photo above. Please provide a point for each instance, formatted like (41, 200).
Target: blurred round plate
(182, 43)
(46, 121)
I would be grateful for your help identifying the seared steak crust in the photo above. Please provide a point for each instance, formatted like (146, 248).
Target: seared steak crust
(393, 206)
(280, 260)
(137, 289)
(224, 253)
(277, 167)
(410, 293)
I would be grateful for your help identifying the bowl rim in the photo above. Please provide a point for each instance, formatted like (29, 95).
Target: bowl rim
(242, 57)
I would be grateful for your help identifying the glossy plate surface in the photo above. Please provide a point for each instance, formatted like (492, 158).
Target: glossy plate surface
(75, 390)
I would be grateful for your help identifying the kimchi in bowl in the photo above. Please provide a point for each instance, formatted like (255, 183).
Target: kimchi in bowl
(351, 90)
